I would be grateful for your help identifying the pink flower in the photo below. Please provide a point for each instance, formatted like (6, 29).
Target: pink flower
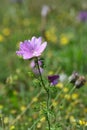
(31, 48)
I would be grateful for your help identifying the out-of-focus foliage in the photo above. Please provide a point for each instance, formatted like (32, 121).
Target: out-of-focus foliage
(66, 51)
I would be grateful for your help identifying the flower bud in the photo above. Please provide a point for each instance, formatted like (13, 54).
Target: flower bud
(80, 82)
(73, 77)
(34, 67)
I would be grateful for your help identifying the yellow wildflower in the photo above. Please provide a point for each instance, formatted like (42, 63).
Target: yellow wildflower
(22, 108)
(64, 40)
(50, 72)
(67, 96)
(74, 96)
(42, 119)
(12, 127)
(59, 85)
(54, 103)
(39, 125)
(81, 122)
(65, 89)
(51, 34)
(35, 99)
(6, 120)
(1, 107)
(6, 31)
(72, 119)
(1, 38)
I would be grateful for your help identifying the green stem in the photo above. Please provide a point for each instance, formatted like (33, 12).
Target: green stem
(47, 91)
(48, 99)
(41, 76)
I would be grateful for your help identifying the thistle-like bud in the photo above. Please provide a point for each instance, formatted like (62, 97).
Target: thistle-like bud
(80, 82)
(73, 77)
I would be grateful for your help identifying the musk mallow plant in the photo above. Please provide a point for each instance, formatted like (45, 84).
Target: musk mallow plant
(32, 50)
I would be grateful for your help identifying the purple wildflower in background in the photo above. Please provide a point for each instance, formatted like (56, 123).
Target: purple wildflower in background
(33, 65)
(53, 79)
(31, 48)
(82, 16)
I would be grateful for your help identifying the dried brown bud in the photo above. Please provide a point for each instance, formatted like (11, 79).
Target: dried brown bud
(80, 82)
(73, 77)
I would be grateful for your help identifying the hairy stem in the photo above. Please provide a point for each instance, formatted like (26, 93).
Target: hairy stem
(47, 91)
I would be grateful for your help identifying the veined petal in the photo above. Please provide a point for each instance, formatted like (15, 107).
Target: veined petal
(25, 46)
(19, 53)
(27, 56)
(42, 47)
(38, 42)
(35, 42)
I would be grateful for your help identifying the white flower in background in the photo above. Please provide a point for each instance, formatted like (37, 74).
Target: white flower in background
(45, 10)
(63, 77)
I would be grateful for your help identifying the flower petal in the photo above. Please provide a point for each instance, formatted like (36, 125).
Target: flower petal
(35, 42)
(27, 56)
(42, 47)
(53, 79)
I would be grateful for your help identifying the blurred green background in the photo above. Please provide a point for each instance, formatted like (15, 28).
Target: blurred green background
(66, 50)
(20, 21)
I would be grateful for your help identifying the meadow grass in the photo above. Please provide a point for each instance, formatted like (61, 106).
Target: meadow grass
(22, 100)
